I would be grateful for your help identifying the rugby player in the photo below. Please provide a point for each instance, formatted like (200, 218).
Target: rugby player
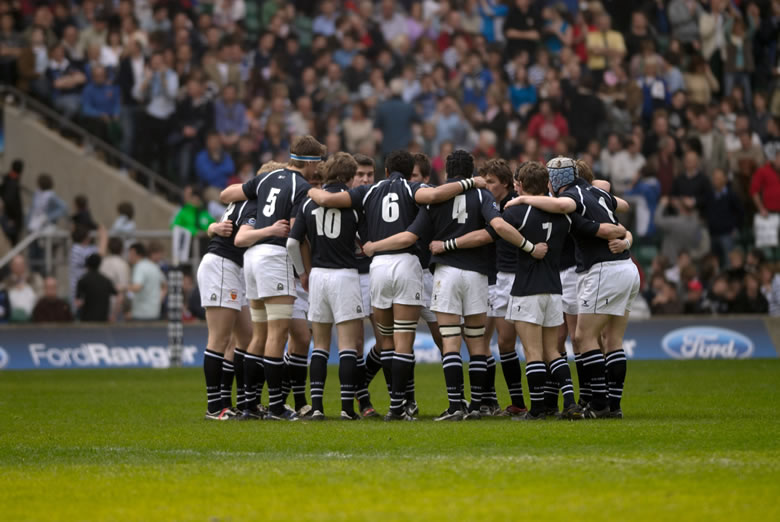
(223, 295)
(460, 280)
(334, 284)
(268, 269)
(390, 207)
(368, 366)
(607, 286)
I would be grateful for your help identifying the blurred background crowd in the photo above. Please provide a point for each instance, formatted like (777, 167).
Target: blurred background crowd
(676, 102)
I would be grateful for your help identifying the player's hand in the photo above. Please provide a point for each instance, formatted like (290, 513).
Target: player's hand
(540, 250)
(617, 246)
(304, 281)
(437, 247)
(479, 182)
(368, 249)
(281, 228)
(224, 229)
(515, 201)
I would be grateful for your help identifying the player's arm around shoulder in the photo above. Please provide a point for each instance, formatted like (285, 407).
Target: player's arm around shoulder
(560, 205)
(511, 234)
(398, 241)
(248, 235)
(327, 199)
(426, 195)
(233, 193)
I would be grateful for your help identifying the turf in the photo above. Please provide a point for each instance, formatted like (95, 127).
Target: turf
(699, 441)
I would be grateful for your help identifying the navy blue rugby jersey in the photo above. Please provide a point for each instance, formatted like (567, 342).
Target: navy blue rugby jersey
(363, 261)
(538, 276)
(389, 208)
(239, 213)
(462, 214)
(506, 252)
(593, 204)
(331, 232)
(279, 194)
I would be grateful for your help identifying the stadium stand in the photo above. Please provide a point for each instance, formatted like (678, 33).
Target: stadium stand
(675, 102)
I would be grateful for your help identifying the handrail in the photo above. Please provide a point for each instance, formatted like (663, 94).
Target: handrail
(153, 179)
(19, 247)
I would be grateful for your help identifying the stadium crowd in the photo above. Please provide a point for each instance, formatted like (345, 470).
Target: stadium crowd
(675, 102)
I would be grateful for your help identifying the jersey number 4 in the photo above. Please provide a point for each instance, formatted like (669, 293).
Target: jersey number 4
(270, 202)
(328, 222)
(459, 208)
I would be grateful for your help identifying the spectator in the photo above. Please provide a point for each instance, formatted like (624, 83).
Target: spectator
(33, 65)
(213, 165)
(750, 300)
(130, 78)
(700, 82)
(100, 106)
(666, 302)
(51, 308)
(325, 23)
(713, 143)
(82, 248)
(357, 127)
(11, 45)
(82, 216)
(655, 94)
(681, 230)
(765, 187)
(192, 215)
(626, 165)
(94, 292)
(739, 55)
(66, 82)
(11, 198)
(147, 285)
(684, 19)
(645, 195)
(394, 119)
(770, 288)
(521, 28)
(230, 117)
(692, 182)
(724, 215)
(694, 298)
(124, 224)
(160, 86)
(392, 22)
(604, 44)
(450, 124)
(194, 118)
(223, 70)
(46, 208)
(521, 93)
(22, 288)
(548, 126)
(115, 268)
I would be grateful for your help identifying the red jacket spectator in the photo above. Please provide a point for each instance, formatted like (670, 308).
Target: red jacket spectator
(548, 127)
(765, 187)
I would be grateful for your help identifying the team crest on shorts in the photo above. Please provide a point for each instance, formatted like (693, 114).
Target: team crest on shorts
(417, 296)
(234, 294)
(280, 286)
(213, 297)
(359, 309)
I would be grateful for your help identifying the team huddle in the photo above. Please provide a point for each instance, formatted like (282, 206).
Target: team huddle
(537, 255)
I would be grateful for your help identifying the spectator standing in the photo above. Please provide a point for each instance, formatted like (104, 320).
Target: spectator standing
(521, 29)
(33, 65)
(700, 82)
(681, 230)
(45, 210)
(147, 285)
(230, 117)
(194, 118)
(66, 81)
(117, 270)
(626, 165)
(82, 248)
(11, 44)
(357, 127)
(604, 44)
(51, 308)
(11, 196)
(684, 19)
(724, 215)
(692, 182)
(450, 124)
(713, 143)
(124, 225)
(193, 216)
(159, 88)
(82, 215)
(100, 105)
(130, 78)
(765, 191)
(94, 292)
(213, 165)
(548, 126)
(394, 119)
(392, 22)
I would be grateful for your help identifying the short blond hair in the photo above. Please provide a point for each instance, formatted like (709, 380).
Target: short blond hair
(270, 167)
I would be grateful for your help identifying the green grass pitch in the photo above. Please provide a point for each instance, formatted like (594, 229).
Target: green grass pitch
(700, 441)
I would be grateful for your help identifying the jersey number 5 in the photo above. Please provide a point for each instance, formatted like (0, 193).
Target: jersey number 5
(390, 210)
(328, 222)
(270, 207)
(459, 208)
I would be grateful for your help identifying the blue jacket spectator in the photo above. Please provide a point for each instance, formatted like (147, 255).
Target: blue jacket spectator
(493, 13)
(99, 98)
(521, 92)
(724, 214)
(230, 116)
(213, 165)
(394, 118)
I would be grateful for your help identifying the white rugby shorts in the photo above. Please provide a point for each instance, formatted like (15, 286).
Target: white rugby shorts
(221, 283)
(458, 291)
(608, 288)
(334, 295)
(498, 294)
(543, 309)
(426, 314)
(365, 293)
(301, 304)
(268, 272)
(396, 278)
(569, 279)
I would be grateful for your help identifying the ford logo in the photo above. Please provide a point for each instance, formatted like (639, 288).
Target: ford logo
(706, 342)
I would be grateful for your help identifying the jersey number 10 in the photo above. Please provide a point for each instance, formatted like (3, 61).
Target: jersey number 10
(328, 222)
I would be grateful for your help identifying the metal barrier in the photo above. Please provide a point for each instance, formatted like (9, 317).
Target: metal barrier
(152, 180)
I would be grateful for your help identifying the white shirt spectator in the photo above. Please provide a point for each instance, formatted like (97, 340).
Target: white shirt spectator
(625, 168)
(393, 28)
(117, 270)
(147, 300)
